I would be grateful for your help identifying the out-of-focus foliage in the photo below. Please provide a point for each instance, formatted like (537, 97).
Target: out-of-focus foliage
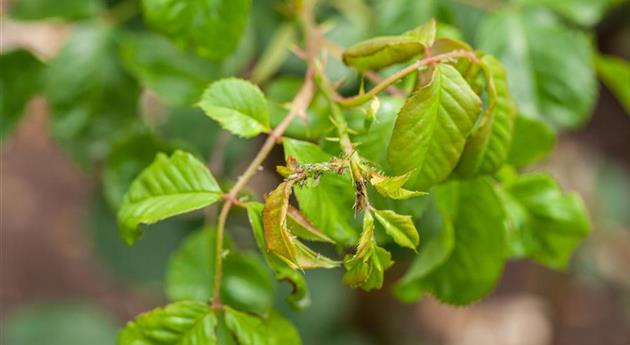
(458, 125)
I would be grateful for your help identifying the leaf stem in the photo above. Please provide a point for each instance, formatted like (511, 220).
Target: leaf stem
(394, 78)
(299, 105)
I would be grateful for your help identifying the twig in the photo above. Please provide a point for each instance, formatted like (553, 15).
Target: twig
(299, 105)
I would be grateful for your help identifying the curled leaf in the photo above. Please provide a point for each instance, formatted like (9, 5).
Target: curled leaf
(380, 52)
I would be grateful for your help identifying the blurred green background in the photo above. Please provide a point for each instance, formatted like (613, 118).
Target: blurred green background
(67, 279)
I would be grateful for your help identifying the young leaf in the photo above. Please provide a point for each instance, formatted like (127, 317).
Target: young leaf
(392, 187)
(366, 268)
(424, 33)
(168, 187)
(545, 81)
(476, 261)
(238, 105)
(446, 45)
(251, 330)
(303, 228)
(329, 205)
(399, 227)
(487, 148)
(380, 52)
(19, 81)
(65, 9)
(177, 76)
(547, 224)
(299, 297)
(190, 323)
(90, 96)
(533, 140)
(431, 128)
(246, 283)
(615, 73)
(214, 28)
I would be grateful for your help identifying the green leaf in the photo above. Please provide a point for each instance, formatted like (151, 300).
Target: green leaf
(488, 146)
(246, 283)
(533, 140)
(190, 323)
(615, 73)
(59, 324)
(176, 76)
(396, 16)
(280, 241)
(329, 204)
(380, 52)
(168, 187)
(90, 96)
(399, 227)
(251, 330)
(19, 82)
(545, 80)
(545, 223)
(392, 187)
(438, 240)
(366, 268)
(63, 9)
(299, 297)
(238, 105)
(475, 212)
(213, 28)
(371, 143)
(583, 12)
(431, 128)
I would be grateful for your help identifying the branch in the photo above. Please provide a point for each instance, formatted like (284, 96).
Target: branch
(394, 78)
(298, 106)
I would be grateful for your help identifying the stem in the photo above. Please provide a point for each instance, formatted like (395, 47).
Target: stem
(298, 106)
(362, 98)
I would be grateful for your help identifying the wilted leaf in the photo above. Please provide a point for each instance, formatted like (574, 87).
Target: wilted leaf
(299, 298)
(329, 205)
(168, 187)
